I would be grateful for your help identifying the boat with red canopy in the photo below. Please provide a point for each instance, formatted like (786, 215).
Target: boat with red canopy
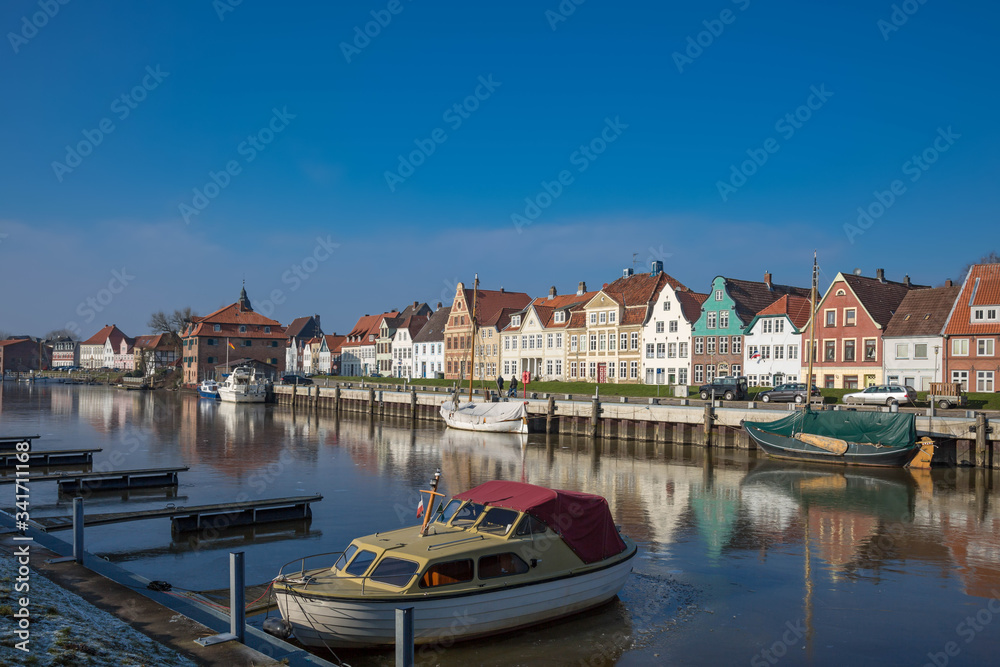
(500, 556)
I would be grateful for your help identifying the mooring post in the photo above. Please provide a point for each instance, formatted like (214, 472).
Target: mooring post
(336, 399)
(404, 637)
(981, 439)
(709, 410)
(371, 401)
(413, 405)
(550, 417)
(237, 591)
(595, 411)
(78, 530)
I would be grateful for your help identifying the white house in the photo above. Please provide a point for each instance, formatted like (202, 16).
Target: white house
(535, 340)
(771, 354)
(666, 336)
(95, 353)
(428, 345)
(913, 341)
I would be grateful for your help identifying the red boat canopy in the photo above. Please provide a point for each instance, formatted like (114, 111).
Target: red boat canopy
(583, 520)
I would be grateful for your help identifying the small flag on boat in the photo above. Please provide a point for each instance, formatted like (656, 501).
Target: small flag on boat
(420, 508)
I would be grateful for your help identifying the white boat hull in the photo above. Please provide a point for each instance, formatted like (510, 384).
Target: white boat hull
(449, 414)
(340, 622)
(230, 396)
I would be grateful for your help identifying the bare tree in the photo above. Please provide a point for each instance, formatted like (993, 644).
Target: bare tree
(175, 322)
(990, 258)
(59, 333)
(4, 335)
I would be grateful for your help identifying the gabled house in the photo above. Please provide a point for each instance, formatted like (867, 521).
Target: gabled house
(402, 344)
(666, 336)
(298, 333)
(913, 341)
(458, 352)
(98, 350)
(386, 348)
(232, 332)
(428, 345)
(329, 354)
(972, 334)
(850, 321)
(718, 334)
(535, 338)
(771, 352)
(358, 348)
(120, 355)
(65, 352)
(154, 352)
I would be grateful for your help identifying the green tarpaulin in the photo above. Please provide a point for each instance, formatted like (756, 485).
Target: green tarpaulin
(883, 428)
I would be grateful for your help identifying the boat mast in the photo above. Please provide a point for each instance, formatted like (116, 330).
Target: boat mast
(812, 334)
(472, 347)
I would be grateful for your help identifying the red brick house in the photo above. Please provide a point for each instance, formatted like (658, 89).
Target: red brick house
(972, 332)
(850, 321)
(236, 328)
(21, 355)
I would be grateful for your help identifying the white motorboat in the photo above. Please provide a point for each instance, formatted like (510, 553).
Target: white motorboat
(501, 556)
(243, 385)
(209, 389)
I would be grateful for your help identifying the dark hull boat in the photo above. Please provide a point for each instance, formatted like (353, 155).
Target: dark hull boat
(839, 437)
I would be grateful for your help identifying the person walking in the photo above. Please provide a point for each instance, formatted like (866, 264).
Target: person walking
(513, 386)
(499, 386)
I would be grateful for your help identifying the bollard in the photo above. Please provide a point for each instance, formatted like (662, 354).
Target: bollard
(404, 637)
(595, 411)
(550, 415)
(708, 425)
(413, 405)
(78, 530)
(336, 399)
(981, 439)
(371, 402)
(237, 604)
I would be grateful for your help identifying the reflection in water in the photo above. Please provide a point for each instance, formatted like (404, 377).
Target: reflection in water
(767, 542)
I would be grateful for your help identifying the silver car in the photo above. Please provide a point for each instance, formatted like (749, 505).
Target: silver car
(883, 394)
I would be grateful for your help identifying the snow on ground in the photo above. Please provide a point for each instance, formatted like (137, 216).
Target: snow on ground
(67, 630)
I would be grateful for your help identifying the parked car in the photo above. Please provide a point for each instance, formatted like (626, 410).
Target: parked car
(292, 378)
(790, 391)
(374, 375)
(882, 394)
(728, 387)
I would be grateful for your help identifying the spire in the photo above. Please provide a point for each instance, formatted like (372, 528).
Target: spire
(244, 302)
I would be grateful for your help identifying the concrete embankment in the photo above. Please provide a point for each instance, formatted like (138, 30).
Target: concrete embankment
(961, 435)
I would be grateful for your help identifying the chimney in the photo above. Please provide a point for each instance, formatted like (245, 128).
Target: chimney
(581, 288)
(880, 275)
(657, 268)
(552, 292)
(767, 279)
(501, 290)
(948, 283)
(906, 280)
(627, 273)
(440, 305)
(414, 306)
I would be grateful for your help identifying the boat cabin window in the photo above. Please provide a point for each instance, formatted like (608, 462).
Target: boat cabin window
(501, 565)
(530, 526)
(449, 511)
(498, 521)
(467, 514)
(394, 571)
(345, 557)
(360, 563)
(444, 574)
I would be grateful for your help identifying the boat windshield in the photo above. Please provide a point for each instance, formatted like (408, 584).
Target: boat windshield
(467, 514)
(497, 521)
(345, 557)
(449, 511)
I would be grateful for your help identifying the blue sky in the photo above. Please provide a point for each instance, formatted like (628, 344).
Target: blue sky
(265, 142)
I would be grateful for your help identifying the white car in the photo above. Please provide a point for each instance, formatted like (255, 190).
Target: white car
(882, 394)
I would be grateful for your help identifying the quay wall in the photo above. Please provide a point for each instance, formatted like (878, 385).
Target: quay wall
(682, 421)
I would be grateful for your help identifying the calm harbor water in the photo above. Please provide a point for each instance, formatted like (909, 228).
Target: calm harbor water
(742, 560)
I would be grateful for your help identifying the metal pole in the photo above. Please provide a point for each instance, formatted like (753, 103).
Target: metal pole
(237, 590)
(404, 637)
(78, 530)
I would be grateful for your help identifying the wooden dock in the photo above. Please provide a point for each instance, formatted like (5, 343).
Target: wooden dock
(115, 480)
(52, 457)
(7, 441)
(199, 517)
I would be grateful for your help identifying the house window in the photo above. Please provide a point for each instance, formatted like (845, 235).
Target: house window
(779, 326)
(572, 343)
(682, 375)
(559, 317)
(635, 340)
(850, 317)
(961, 376)
(548, 367)
(718, 295)
(830, 350)
(710, 320)
(593, 318)
(779, 351)
(559, 341)
(633, 370)
(699, 374)
(593, 342)
(603, 317)
(217, 327)
(984, 348)
(611, 317)
(624, 342)
(831, 318)
(524, 342)
(243, 328)
(666, 305)
(538, 341)
(572, 369)
(671, 350)
(267, 330)
(849, 350)
(870, 347)
(828, 381)
(611, 369)
(506, 343)
(920, 350)
(683, 351)
(659, 327)
(559, 367)
(593, 369)
(960, 347)
(247, 343)
(724, 319)
(984, 381)
(710, 372)
(723, 344)
(673, 326)
(711, 345)
(765, 351)
(515, 321)
(603, 344)
(737, 369)
(623, 368)
(699, 345)
(766, 326)
(649, 350)
(902, 350)
(549, 339)
(274, 343)
(212, 341)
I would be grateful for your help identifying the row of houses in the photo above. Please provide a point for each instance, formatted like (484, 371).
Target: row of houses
(108, 348)
(644, 327)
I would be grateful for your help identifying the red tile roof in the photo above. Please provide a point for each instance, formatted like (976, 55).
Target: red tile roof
(981, 288)
(107, 331)
(229, 319)
(637, 292)
(367, 324)
(796, 307)
(881, 298)
(333, 342)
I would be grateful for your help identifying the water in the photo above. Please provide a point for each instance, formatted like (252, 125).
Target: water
(742, 560)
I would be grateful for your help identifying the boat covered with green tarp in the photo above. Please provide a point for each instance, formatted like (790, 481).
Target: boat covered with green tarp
(844, 437)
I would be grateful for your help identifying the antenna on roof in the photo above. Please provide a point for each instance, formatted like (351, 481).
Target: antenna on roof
(635, 259)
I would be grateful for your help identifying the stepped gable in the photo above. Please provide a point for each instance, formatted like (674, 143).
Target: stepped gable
(796, 307)
(751, 297)
(433, 329)
(880, 297)
(923, 312)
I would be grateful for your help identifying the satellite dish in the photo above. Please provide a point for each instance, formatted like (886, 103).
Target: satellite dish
(857, 272)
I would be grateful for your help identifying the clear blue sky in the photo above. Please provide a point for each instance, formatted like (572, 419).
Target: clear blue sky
(674, 115)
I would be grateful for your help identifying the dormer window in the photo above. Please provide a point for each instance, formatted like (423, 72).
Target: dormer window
(217, 327)
(515, 321)
(267, 330)
(243, 328)
(987, 314)
(559, 317)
